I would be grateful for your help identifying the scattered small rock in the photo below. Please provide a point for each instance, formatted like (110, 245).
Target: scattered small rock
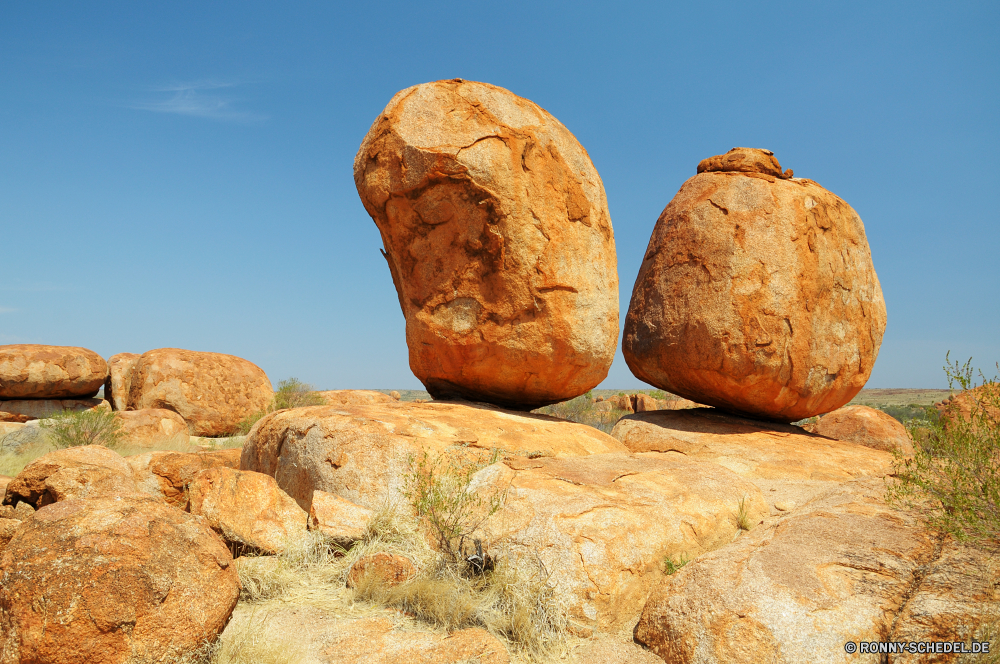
(393, 569)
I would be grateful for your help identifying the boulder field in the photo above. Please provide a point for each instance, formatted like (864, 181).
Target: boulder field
(757, 294)
(496, 230)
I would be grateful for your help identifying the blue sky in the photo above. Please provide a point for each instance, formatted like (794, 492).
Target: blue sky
(180, 175)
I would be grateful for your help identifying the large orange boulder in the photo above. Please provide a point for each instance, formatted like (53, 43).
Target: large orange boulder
(151, 427)
(166, 475)
(110, 581)
(247, 509)
(213, 392)
(363, 453)
(33, 371)
(865, 426)
(757, 294)
(87, 471)
(497, 234)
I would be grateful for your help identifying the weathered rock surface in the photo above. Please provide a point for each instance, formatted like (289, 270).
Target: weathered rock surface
(497, 234)
(166, 475)
(213, 392)
(9, 427)
(341, 521)
(841, 568)
(757, 294)
(392, 568)
(983, 400)
(353, 397)
(116, 386)
(25, 437)
(7, 529)
(361, 452)
(602, 524)
(150, 427)
(88, 471)
(33, 371)
(788, 464)
(25, 410)
(247, 509)
(110, 581)
(864, 426)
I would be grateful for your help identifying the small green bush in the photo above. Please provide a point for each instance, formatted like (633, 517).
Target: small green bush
(86, 427)
(954, 474)
(291, 393)
(671, 566)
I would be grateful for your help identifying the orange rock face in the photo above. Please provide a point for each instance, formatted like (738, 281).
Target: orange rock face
(116, 384)
(153, 426)
(166, 475)
(394, 569)
(32, 371)
(757, 294)
(110, 581)
(211, 391)
(88, 471)
(865, 426)
(497, 234)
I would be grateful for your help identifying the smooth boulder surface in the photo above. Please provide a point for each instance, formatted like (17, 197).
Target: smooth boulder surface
(787, 463)
(116, 387)
(498, 238)
(361, 453)
(88, 471)
(247, 509)
(865, 426)
(166, 475)
(844, 567)
(213, 392)
(602, 524)
(112, 581)
(757, 294)
(150, 427)
(340, 521)
(25, 410)
(33, 371)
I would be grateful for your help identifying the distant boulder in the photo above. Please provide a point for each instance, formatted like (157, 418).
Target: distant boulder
(865, 426)
(33, 371)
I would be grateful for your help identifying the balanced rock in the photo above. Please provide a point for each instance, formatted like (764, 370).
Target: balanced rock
(362, 452)
(247, 509)
(116, 387)
(757, 294)
(166, 475)
(151, 427)
(32, 371)
(112, 581)
(87, 471)
(497, 234)
(865, 426)
(840, 569)
(213, 392)
(789, 465)
(602, 524)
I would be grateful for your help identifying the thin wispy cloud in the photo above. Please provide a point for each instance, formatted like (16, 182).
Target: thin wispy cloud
(205, 99)
(6, 310)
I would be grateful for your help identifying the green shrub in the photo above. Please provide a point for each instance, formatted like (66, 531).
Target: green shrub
(671, 566)
(954, 474)
(291, 393)
(85, 427)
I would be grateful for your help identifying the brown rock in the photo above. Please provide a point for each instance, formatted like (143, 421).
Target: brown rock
(150, 427)
(497, 234)
(110, 581)
(116, 387)
(88, 471)
(32, 371)
(13, 418)
(642, 403)
(4, 481)
(25, 410)
(395, 395)
(211, 391)
(247, 509)
(602, 524)
(7, 529)
(744, 160)
(9, 427)
(166, 475)
(393, 569)
(341, 521)
(353, 397)
(361, 452)
(757, 295)
(984, 401)
(788, 464)
(864, 426)
(839, 569)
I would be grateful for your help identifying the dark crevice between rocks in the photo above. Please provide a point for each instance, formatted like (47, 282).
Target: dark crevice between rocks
(919, 574)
